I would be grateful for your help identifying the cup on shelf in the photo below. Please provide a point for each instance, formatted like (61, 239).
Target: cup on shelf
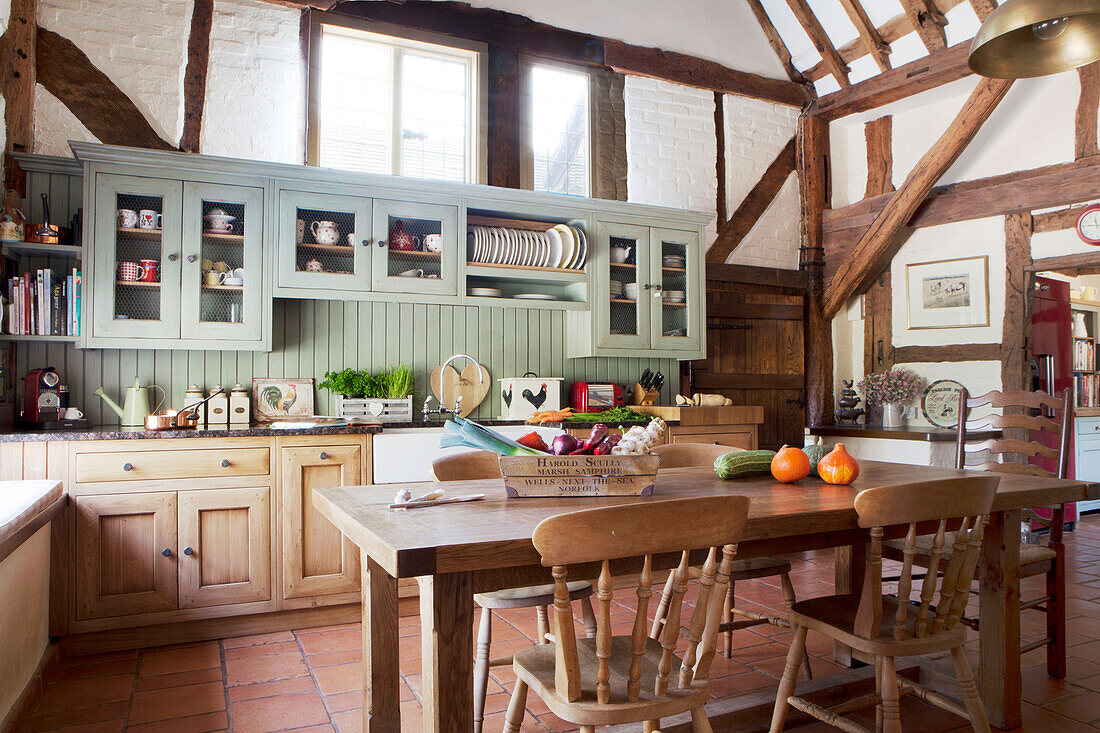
(149, 219)
(129, 271)
(213, 278)
(630, 291)
(150, 271)
(412, 273)
(237, 273)
(127, 218)
(300, 231)
(71, 413)
(433, 242)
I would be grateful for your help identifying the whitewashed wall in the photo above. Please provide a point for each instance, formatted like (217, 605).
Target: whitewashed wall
(1032, 127)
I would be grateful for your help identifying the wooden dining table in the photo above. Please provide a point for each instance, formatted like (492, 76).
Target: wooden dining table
(457, 550)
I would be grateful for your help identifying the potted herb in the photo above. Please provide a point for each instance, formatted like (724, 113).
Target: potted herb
(891, 389)
(387, 395)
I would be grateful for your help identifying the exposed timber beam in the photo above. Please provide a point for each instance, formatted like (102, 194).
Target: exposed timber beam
(1087, 103)
(890, 31)
(983, 8)
(505, 112)
(879, 136)
(821, 41)
(1086, 263)
(696, 72)
(68, 74)
(776, 41)
(1039, 188)
(194, 76)
(947, 352)
(880, 242)
(762, 276)
(877, 48)
(18, 54)
(1056, 221)
(918, 76)
(1019, 284)
(720, 157)
(928, 22)
(812, 161)
(753, 206)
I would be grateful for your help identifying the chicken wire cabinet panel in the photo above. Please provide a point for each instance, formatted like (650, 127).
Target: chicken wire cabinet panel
(416, 248)
(324, 242)
(676, 272)
(177, 264)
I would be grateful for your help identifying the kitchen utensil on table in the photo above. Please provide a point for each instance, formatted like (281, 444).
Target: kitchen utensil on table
(438, 502)
(135, 407)
(471, 385)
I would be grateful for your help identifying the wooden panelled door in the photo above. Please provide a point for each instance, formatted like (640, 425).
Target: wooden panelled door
(755, 356)
(225, 546)
(317, 559)
(125, 554)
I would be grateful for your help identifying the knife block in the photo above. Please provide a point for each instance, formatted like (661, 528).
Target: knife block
(641, 396)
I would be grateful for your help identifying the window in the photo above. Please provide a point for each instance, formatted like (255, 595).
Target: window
(392, 105)
(560, 130)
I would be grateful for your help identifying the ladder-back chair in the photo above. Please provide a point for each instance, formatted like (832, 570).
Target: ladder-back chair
(1018, 443)
(887, 627)
(612, 680)
(677, 455)
(471, 466)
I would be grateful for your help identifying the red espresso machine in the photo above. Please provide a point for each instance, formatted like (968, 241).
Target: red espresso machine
(1050, 358)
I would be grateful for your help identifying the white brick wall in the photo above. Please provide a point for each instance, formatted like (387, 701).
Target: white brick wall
(55, 126)
(755, 133)
(670, 146)
(255, 87)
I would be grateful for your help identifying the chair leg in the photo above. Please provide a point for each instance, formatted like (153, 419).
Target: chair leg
(727, 615)
(662, 609)
(544, 624)
(790, 678)
(481, 666)
(1056, 614)
(513, 719)
(651, 726)
(699, 721)
(973, 700)
(789, 599)
(891, 706)
(878, 691)
(589, 618)
(588, 729)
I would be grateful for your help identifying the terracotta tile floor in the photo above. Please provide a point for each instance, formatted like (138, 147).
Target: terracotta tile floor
(307, 680)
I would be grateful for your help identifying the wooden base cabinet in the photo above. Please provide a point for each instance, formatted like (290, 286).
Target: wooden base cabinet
(165, 551)
(320, 566)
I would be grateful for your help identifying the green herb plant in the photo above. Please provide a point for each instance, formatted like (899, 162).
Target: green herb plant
(393, 384)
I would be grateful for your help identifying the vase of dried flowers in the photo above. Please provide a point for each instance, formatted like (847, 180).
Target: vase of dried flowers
(892, 390)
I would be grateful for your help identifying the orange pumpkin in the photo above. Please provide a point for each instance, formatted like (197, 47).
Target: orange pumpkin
(790, 465)
(838, 467)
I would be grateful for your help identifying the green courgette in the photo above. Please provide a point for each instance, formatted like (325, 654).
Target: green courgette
(744, 463)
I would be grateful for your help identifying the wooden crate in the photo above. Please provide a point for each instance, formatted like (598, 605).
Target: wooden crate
(387, 411)
(530, 476)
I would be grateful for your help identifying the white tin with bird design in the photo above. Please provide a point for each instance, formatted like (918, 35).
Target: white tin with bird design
(520, 397)
(281, 399)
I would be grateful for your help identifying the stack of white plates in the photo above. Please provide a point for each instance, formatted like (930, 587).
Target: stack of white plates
(676, 261)
(561, 246)
(616, 288)
(486, 292)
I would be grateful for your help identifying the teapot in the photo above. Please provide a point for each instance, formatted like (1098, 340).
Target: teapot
(400, 239)
(135, 408)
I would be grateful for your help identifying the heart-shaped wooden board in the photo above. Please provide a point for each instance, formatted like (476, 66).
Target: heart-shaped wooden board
(448, 385)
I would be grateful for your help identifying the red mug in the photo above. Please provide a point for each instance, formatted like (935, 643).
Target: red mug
(150, 271)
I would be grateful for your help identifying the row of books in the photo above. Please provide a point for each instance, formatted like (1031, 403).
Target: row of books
(1087, 387)
(43, 303)
(1084, 355)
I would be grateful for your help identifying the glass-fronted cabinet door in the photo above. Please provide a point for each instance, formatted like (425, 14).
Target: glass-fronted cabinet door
(136, 258)
(324, 241)
(676, 274)
(416, 248)
(623, 287)
(222, 269)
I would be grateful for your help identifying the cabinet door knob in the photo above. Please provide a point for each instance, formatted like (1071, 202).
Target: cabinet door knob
(366, 242)
(225, 463)
(188, 551)
(647, 286)
(166, 552)
(127, 467)
(323, 455)
(173, 257)
(382, 243)
(192, 258)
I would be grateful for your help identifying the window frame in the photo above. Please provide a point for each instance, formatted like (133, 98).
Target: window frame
(407, 39)
(527, 164)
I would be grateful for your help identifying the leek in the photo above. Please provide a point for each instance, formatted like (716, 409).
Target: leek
(463, 432)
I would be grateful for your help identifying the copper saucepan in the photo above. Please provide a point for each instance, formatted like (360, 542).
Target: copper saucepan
(184, 419)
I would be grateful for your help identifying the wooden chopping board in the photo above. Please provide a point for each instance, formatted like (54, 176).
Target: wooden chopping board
(449, 384)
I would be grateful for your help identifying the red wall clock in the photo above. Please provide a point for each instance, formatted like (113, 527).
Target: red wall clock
(1088, 225)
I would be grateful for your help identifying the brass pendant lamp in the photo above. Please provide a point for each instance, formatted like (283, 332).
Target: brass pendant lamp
(1025, 38)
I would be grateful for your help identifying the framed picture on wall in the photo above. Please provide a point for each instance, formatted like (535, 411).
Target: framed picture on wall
(948, 293)
(281, 399)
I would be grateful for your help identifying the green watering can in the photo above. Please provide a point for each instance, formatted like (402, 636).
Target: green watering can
(135, 408)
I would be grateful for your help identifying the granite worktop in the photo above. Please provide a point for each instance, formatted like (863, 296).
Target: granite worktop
(117, 432)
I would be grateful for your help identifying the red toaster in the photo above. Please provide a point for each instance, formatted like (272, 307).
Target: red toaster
(587, 397)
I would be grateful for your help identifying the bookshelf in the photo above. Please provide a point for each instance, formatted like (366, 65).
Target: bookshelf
(41, 292)
(1086, 376)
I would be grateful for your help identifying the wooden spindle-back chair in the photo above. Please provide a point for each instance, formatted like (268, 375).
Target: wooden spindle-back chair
(1024, 416)
(471, 466)
(611, 680)
(677, 455)
(909, 624)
